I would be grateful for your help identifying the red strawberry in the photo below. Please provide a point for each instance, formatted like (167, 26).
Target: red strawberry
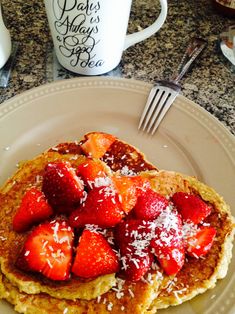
(97, 144)
(48, 250)
(101, 208)
(61, 185)
(94, 256)
(191, 207)
(91, 171)
(126, 189)
(200, 243)
(168, 243)
(142, 184)
(129, 188)
(34, 208)
(133, 238)
(170, 258)
(149, 205)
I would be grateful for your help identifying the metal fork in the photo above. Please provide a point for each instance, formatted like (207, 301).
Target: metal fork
(164, 92)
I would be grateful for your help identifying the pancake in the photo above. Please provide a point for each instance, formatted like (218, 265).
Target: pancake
(30, 174)
(31, 293)
(197, 275)
(120, 156)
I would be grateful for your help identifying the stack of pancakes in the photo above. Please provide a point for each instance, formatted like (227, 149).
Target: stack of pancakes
(32, 293)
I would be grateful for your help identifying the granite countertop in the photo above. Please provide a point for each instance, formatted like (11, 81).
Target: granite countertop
(210, 83)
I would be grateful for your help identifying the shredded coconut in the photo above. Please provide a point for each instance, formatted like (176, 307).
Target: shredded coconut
(110, 306)
(125, 171)
(119, 288)
(131, 293)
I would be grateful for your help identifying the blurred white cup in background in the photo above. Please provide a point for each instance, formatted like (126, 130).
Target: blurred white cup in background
(5, 41)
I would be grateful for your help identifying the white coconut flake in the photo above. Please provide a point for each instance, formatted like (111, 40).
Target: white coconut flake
(84, 197)
(110, 306)
(125, 171)
(55, 234)
(49, 263)
(119, 288)
(38, 178)
(98, 182)
(44, 244)
(131, 293)
(75, 157)
(177, 297)
(93, 228)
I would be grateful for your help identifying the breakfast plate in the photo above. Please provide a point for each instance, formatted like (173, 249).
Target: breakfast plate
(189, 140)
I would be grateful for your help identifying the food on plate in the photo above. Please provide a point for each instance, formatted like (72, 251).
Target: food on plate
(93, 227)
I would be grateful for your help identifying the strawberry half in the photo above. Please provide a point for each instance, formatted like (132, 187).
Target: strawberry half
(101, 208)
(33, 209)
(91, 172)
(149, 205)
(128, 189)
(200, 243)
(48, 250)
(133, 238)
(170, 258)
(168, 243)
(97, 144)
(94, 256)
(61, 185)
(191, 207)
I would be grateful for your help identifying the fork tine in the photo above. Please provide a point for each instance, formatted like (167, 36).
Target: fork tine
(167, 105)
(159, 105)
(148, 105)
(155, 101)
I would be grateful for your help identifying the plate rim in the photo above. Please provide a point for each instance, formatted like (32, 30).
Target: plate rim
(190, 107)
(83, 82)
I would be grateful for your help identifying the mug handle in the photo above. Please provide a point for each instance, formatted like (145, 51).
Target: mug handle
(136, 37)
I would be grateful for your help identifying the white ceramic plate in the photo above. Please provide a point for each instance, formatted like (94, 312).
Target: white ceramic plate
(189, 140)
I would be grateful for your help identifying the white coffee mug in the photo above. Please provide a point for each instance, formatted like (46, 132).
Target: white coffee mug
(5, 41)
(89, 36)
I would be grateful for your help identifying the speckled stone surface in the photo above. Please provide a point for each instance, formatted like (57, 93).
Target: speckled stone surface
(211, 82)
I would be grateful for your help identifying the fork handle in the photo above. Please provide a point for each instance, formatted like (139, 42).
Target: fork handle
(193, 50)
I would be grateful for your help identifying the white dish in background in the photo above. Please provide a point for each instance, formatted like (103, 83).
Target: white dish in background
(189, 140)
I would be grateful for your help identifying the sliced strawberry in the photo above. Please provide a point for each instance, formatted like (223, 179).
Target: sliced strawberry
(33, 209)
(142, 184)
(91, 172)
(48, 250)
(149, 205)
(191, 207)
(168, 243)
(133, 237)
(200, 243)
(101, 207)
(128, 189)
(171, 259)
(61, 185)
(94, 256)
(97, 144)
